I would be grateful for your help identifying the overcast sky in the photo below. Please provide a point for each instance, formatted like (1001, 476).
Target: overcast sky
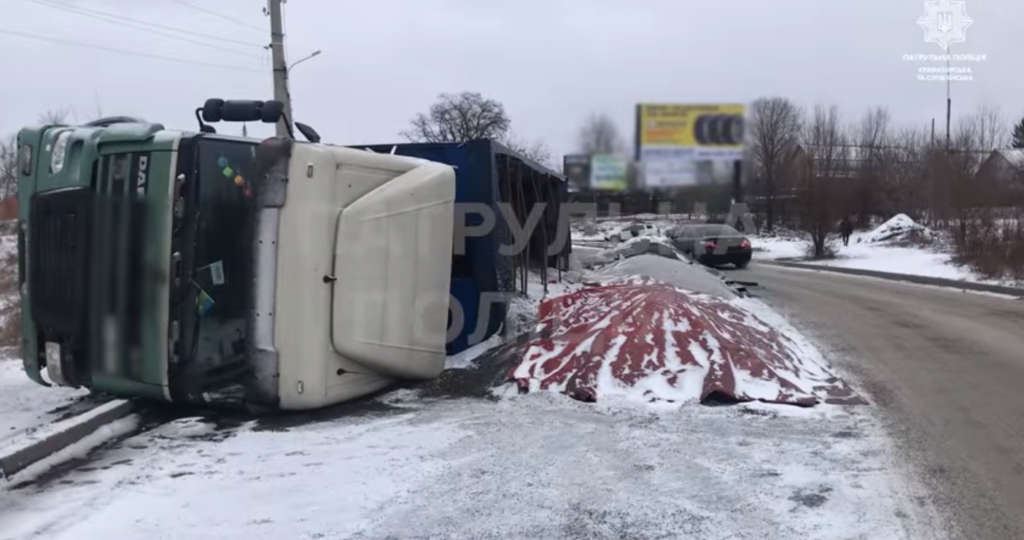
(551, 62)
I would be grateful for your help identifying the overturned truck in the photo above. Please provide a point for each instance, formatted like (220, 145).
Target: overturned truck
(202, 268)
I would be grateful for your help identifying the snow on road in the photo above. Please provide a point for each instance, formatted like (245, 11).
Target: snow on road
(534, 466)
(25, 406)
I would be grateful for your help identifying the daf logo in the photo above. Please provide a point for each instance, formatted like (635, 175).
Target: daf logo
(140, 180)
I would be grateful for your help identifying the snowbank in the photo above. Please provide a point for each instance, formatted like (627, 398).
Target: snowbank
(767, 248)
(644, 339)
(900, 227)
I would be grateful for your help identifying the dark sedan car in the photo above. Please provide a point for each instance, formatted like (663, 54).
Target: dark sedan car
(713, 245)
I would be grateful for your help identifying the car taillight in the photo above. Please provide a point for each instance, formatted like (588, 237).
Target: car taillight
(710, 245)
(745, 244)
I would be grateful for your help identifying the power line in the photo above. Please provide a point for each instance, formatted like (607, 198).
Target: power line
(125, 51)
(113, 20)
(216, 14)
(79, 9)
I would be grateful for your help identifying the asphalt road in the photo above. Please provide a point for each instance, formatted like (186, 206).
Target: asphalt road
(947, 370)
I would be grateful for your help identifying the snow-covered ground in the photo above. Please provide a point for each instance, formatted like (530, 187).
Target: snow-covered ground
(534, 466)
(875, 250)
(917, 261)
(25, 406)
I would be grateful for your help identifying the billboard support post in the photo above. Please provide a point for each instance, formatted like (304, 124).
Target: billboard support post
(737, 181)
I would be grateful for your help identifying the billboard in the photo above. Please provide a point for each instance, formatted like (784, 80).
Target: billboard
(609, 172)
(682, 145)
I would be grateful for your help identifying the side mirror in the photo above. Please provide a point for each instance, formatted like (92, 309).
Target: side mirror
(309, 133)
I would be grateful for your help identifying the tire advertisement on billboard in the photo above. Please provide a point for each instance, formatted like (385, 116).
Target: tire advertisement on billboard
(689, 145)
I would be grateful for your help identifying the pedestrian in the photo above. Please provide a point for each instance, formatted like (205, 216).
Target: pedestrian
(846, 229)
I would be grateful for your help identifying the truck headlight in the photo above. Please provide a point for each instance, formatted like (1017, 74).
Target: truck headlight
(60, 149)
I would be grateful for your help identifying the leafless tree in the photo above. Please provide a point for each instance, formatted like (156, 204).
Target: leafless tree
(55, 116)
(776, 129)
(827, 150)
(8, 167)
(467, 116)
(536, 151)
(873, 144)
(905, 187)
(991, 127)
(600, 135)
(459, 118)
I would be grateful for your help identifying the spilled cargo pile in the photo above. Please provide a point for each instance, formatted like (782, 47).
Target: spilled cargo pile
(641, 338)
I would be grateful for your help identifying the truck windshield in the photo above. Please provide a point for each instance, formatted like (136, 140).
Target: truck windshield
(214, 315)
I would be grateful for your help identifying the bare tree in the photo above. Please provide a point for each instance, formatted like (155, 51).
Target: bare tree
(600, 135)
(827, 150)
(990, 127)
(467, 116)
(905, 188)
(777, 123)
(54, 116)
(536, 151)
(874, 139)
(8, 167)
(459, 118)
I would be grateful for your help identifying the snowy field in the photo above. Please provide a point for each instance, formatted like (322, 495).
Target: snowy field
(879, 250)
(915, 261)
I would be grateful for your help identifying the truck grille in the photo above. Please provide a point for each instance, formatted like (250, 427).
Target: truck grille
(59, 258)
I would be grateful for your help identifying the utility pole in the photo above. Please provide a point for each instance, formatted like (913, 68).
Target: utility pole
(280, 67)
(949, 99)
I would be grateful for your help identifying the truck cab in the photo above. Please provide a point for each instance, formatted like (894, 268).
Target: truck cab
(194, 267)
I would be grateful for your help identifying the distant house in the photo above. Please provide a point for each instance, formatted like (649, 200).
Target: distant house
(1005, 165)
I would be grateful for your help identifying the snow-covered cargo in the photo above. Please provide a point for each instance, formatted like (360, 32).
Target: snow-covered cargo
(646, 339)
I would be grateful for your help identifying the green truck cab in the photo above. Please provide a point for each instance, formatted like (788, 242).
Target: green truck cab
(202, 268)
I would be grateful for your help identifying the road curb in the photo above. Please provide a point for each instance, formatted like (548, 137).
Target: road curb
(23, 453)
(920, 280)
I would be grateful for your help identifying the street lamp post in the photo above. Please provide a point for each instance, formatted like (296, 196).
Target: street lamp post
(301, 60)
(288, 90)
